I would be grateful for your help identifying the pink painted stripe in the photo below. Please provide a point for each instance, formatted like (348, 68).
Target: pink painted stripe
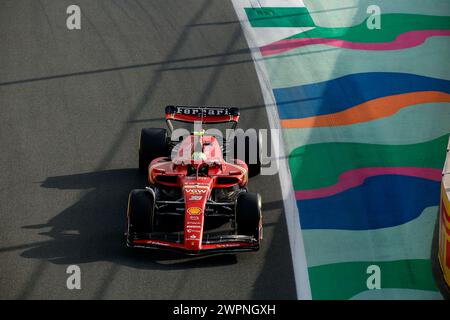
(356, 177)
(403, 41)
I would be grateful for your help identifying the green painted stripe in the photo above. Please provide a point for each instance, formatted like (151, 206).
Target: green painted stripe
(319, 165)
(398, 294)
(429, 121)
(392, 26)
(294, 67)
(411, 240)
(279, 17)
(344, 280)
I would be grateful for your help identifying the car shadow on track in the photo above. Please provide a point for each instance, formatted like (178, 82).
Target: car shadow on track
(92, 228)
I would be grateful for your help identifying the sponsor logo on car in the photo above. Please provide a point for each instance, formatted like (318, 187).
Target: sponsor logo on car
(194, 210)
(226, 245)
(196, 198)
(202, 111)
(190, 226)
(195, 191)
(157, 243)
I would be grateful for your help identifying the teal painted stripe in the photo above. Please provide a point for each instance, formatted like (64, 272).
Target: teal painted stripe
(411, 240)
(346, 13)
(294, 67)
(279, 17)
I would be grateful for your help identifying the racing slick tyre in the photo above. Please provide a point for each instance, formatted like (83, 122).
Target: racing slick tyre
(141, 207)
(251, 147)
(248, 214)
(152, 144)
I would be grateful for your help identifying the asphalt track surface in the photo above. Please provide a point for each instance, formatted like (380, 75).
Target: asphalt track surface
(72, 104)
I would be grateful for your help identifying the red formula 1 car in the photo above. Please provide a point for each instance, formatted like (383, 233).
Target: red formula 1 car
(195, 202)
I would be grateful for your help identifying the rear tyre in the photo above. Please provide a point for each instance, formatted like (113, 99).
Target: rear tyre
(251, 147)
(141, 210)
(153, 144)
(249, 214)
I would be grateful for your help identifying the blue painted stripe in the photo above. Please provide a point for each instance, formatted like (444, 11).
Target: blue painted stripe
(348, 91)
(381, 202)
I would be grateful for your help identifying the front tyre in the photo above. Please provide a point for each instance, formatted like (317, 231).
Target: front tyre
(252, 152)
(249, 215)
(140, 212)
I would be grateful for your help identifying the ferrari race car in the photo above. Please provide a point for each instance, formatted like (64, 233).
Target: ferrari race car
(196, 202)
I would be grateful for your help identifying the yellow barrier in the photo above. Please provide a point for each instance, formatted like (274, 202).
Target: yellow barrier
(444, 221)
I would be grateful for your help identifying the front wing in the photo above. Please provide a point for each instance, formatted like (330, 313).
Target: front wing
(210, 245)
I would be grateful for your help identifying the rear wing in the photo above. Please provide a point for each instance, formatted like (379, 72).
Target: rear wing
(202, 114)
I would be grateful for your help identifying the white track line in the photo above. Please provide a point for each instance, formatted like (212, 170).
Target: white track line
(290, 204)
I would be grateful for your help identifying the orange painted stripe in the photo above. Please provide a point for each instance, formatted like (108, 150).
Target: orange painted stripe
(370, 110)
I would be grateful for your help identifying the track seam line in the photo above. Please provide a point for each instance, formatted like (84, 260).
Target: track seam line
(290, 204)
